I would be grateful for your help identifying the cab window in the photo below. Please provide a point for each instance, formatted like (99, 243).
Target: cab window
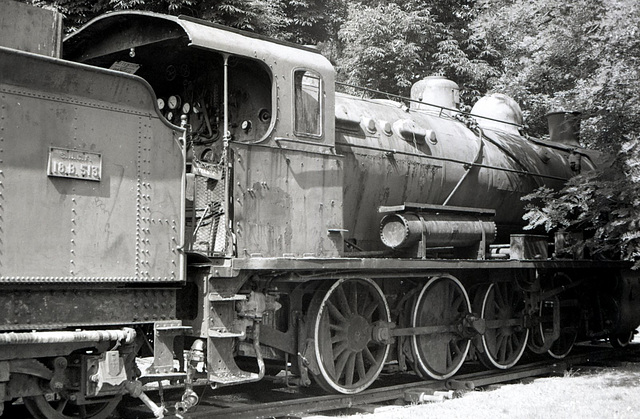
(308, 115)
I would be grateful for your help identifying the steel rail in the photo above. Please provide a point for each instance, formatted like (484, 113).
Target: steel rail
(306, 405)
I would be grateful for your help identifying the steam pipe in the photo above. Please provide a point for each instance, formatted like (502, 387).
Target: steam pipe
(477, 159)
(126, 334)
(256, 347)
(402, 230)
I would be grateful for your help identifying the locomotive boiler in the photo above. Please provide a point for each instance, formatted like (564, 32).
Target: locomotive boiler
(199, 205)
(429, 155)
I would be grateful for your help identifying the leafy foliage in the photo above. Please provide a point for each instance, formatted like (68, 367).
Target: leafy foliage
(582, 55)
(390, 45)
(313, 21)
(264, 16)
(382, 53)
(558, 54)
(605, 203)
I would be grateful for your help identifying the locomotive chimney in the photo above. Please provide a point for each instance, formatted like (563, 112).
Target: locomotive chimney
(564, 127)
(435, 93)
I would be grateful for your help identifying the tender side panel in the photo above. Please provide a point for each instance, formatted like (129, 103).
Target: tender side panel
(29, 28)
(92, 180)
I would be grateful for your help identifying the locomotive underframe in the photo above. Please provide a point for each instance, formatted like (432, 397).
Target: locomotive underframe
(291, 287)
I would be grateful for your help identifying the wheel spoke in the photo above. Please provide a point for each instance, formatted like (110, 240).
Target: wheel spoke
(353, 298)
(339, 349)
(458, 304)
(498, 297)
(362, 372)
(342, 302)
(341, 361)
(369, 310)
(364, 302)
(516, 340)
(500, 347)
(337, 327)
(350, 369)
(335, 313)
(442, 302)
(449, 359)
(509, 349)
(61, 405)
(369, 355)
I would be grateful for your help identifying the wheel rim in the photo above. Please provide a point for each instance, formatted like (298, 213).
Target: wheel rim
(443, 303)
(569, 317)
(505, 338)
(621, 340)
(63, 408)
(348, 358)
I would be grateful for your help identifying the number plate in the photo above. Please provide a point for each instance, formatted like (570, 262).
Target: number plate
(74, 164)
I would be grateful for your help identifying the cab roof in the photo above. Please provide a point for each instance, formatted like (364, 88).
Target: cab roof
(136, 28)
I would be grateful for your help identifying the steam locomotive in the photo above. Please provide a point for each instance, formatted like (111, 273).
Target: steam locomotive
(185, 202)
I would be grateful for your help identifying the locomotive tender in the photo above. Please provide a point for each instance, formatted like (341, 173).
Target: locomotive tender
(201, 198)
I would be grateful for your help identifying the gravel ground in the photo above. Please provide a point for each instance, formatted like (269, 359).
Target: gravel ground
(591, 392)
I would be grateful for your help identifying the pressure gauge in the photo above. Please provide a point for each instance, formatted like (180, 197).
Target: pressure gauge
(161, 104)
(170, 116)
(174, 102)
(186, 108)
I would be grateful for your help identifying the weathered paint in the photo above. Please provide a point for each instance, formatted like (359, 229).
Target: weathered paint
(128, 226)
(286, 202)
(388, 168)
(32, 29)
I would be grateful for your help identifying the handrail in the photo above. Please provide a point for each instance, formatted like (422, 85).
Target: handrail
(450, 160)
(442, 108)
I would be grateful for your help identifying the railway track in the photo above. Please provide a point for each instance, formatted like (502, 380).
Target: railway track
(274, 398)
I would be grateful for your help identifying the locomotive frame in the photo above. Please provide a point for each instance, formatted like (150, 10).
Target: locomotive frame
(250, 213)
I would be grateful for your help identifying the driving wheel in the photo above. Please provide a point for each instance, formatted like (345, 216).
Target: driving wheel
(502, 307)
(343, 319)
(440, 310)
(63, 408)
(621, 340)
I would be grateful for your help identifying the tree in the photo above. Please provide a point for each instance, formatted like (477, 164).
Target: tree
(382, 53)
(389, 46)
(582, 55)
(313, 21)
(262, 16)
(558, 54)
(460, 54)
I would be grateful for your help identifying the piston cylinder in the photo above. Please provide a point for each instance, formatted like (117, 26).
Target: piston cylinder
(439, 230)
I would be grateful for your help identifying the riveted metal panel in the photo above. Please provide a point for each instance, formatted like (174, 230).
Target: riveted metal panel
(62, 308)
(287, 203)
(31, 29)
(393, 156)
(122, 30)
(126, 227)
